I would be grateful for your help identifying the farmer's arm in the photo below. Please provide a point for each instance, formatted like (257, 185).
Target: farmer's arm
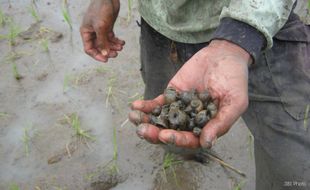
(245, 29)
(97, 30)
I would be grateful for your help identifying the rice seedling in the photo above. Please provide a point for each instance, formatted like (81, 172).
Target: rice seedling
(306, 117)
(44, 45)
(3, 18)
(16, 74)
(114, 167)
(129, 14)
(33, 11)
(75, 123)
(65, 14)
(14, 30)
(26, 139)
(250, 145)
(12, 56)
(169, 164)
(66, 82)
(14, 186)
(239, 185)
(102, 69)
(135, 97)
(110, 90)
(3, 114)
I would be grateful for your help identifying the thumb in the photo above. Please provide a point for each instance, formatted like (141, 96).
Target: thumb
(218, 126)
(148, 105)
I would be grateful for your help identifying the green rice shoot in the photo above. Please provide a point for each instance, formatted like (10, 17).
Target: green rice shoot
(44, 45)
(3, 114)
(26, 140)
(239, 185)
(114, 167)
(75, 123)
(14, 186)
(129, 14)
(66, 82)
(14, 31)
(168, 164)
(65, 14)
(3, 18)
(34, 12)
(16, 74)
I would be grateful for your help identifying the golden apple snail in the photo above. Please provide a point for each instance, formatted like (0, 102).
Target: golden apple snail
(184, 111)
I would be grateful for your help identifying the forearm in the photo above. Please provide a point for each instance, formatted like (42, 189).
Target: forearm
(114, 3)
(252, 25)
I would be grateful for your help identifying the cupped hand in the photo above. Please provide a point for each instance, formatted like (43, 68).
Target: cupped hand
(222, 69)
(96, 30)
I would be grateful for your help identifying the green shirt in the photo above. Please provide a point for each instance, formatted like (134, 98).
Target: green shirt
(194, 21)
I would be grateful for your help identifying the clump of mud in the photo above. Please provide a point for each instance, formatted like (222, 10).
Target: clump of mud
(107, 181)
(184, 111)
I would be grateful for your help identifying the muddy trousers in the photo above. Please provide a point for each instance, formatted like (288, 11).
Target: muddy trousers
(279, 93)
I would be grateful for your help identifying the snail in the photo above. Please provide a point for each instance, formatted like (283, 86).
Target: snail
(184, 111)
(170, 95)
(201, 118)
(177, 119)
(187, 96)
(196, 105)
(156, 111)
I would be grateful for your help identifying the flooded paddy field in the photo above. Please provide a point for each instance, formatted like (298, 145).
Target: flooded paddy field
(63, 116)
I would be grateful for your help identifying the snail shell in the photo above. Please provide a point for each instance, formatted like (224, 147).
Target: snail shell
(177, 119)
(187, 96)
(201, 119)
(191, 124)
(158, 121)
(174, 105)
(204, 96)
(196, 105)
(212, 109)
(164, 112)
(197, 131)
(156, 111)
(170, 95)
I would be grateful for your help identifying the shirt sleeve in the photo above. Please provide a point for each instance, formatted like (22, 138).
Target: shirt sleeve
(252, 23)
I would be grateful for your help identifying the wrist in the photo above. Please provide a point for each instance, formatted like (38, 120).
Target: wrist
(224, 48)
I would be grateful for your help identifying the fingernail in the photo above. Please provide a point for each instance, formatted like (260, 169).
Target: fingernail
(209, 143)
(135, 117)
(171, 139)
(104, 52)
(141, 131)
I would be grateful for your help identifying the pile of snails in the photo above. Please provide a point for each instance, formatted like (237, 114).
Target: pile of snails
(184, 111)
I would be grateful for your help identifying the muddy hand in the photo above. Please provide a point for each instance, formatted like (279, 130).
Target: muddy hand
(222, 69)
(97, 30)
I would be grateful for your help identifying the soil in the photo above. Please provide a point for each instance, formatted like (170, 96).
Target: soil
(38, 150)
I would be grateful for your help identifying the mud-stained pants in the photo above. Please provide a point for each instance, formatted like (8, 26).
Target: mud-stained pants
(279, 92)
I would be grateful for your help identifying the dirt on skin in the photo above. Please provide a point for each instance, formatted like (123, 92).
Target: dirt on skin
(39, 151)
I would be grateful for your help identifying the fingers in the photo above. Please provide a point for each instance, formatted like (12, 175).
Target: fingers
(227, 115)
(148, 105)
(137, 117)
(148, 132)
(115, 40)
(100, 46)
(144, 130)
(179, 138)
(89, 45)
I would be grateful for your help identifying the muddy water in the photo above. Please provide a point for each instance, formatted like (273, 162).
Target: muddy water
(38, 147)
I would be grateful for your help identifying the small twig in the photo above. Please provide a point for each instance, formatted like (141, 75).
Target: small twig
(68, 150)
(124, 123)
(224, 164)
